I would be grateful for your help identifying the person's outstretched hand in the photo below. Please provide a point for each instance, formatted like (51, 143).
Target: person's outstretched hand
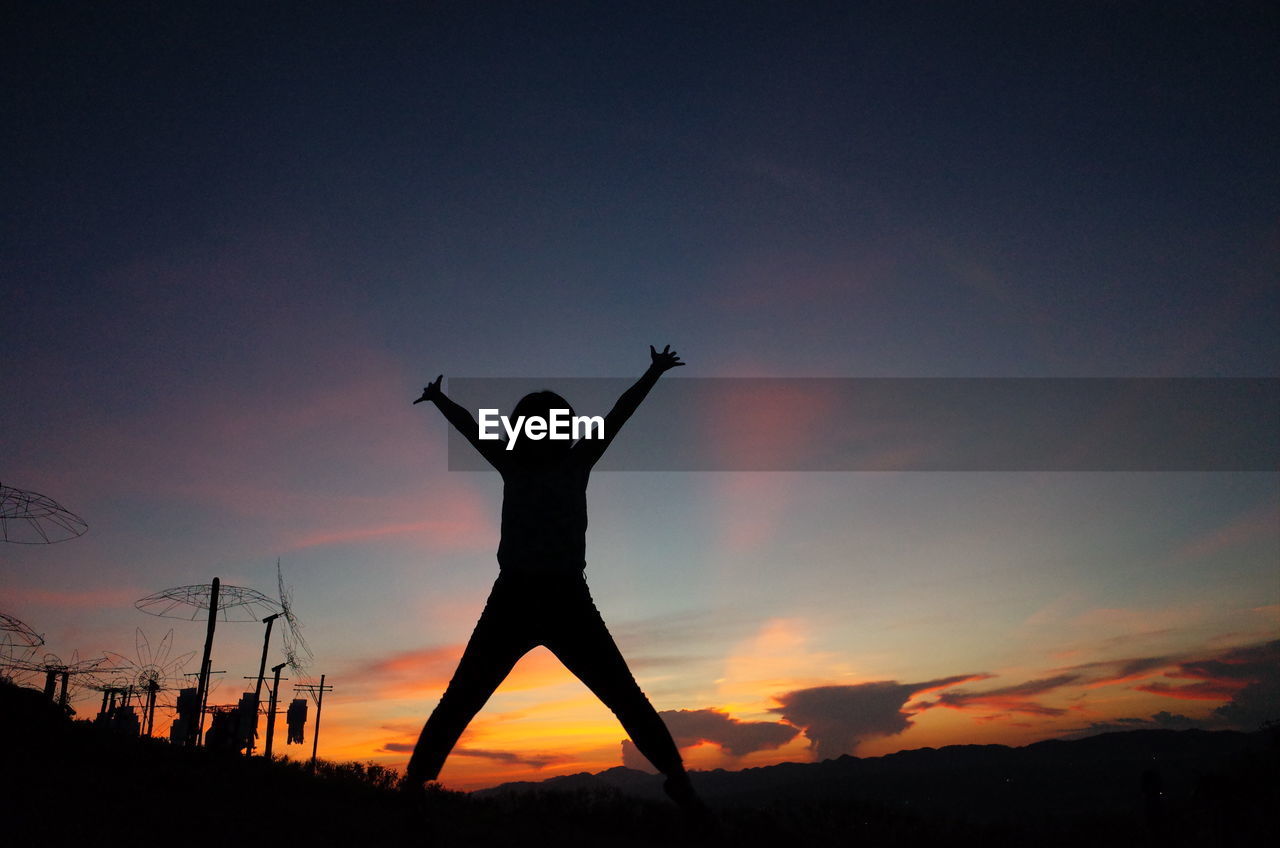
(432, 391)
(666, 360)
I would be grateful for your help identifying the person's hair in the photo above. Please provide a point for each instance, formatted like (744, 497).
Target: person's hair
(540, 404)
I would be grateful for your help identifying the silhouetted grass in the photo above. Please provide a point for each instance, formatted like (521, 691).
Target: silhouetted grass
(66, 782)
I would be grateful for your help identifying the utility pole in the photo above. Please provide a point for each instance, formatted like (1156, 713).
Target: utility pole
(271, 710)
(316, 692)
(202, 688)
(202, 702)
(153, 687)
(262, 669)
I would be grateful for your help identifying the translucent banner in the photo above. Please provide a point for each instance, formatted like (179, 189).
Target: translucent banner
(914, 424)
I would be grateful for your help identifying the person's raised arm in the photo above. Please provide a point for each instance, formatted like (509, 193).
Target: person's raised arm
(463, 421)
(629, 401)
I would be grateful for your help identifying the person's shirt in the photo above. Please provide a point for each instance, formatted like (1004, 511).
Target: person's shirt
(544, 498)
(544, 512)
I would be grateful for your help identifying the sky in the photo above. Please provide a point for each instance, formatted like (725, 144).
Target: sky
(238, 241)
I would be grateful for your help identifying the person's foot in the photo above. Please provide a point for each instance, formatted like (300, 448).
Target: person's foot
(697, 815)
(414, 793)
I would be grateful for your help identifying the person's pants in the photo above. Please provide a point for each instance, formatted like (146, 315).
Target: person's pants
(522, 613)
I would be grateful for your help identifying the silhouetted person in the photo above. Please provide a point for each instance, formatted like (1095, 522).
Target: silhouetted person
(541, 596)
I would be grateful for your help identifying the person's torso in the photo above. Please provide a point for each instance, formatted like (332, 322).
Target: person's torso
(544, 518)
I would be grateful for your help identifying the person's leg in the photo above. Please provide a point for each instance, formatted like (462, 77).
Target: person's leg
(497, 643)
(583, 643)
(585, 646)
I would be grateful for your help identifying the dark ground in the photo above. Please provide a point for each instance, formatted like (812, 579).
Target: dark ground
(70, 782)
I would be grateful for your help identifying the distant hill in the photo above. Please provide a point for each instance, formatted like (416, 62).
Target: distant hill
(1139, 774)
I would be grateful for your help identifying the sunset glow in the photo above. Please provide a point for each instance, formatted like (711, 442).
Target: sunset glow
(237, 249)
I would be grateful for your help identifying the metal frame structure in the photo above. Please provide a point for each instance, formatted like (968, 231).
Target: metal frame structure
(234, 603)
(30, 518)
(150, 672)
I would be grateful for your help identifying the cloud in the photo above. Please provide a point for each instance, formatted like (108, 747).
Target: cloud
(1258, 701)
(1256, 525)
(534, 761)
(1247, 677)
(1205, 690)
(1162, 720)
(425, 672)
(836, 719)
(1254, 705)
(417, 673)
(734, 737)
(1019, 698)
(1121, 671)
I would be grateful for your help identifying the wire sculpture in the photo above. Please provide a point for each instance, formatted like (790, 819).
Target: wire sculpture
(232, 603)
(235, 603)
(68, 674)
(297, 653)
(30, 518)
(18, 646)
(149, 674)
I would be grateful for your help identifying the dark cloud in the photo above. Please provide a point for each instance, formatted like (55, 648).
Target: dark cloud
(1254, 705)
(536, 761)
(1174, 721)
(736, 738)
(1162, 720)
(836, 719)
(1205, 690)
(1019, 698)
(1248, 678)
(1108, 672)
(1245, 662)
(1258, 701)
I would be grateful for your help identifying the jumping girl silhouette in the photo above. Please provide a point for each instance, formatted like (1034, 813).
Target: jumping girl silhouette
(541, 596)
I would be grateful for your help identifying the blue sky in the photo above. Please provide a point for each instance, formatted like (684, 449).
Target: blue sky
(239, 240)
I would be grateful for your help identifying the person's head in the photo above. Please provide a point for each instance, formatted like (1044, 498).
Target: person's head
(540, 404)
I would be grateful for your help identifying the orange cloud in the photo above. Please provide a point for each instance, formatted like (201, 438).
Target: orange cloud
(1209, 690)
(1019, 698)
(424, 673)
